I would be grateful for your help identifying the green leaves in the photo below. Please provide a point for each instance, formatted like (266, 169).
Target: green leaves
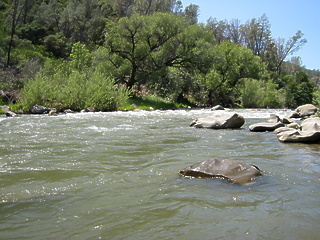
(151, 45)
(230, 63)
(256, 93)
(80, 56)
(74, 85)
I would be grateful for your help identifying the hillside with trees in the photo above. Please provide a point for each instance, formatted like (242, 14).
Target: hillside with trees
(98, 53)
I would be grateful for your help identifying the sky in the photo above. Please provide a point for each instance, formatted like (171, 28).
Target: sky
(285, 17)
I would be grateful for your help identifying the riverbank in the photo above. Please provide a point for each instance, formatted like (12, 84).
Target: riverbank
(142, 103)
(135, 103)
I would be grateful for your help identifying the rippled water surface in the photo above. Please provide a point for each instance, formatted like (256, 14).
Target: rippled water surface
(115, 176)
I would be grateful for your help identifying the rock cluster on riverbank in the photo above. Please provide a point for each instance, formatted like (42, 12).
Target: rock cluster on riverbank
(287, 129)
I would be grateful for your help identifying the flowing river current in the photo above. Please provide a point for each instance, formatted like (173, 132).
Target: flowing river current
(115, 176)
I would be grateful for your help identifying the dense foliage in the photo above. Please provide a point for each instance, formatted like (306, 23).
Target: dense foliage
(97, 53)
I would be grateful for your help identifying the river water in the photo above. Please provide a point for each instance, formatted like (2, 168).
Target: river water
(115, 176)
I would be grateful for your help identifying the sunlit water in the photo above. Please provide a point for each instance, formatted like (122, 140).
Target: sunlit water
(115, 176)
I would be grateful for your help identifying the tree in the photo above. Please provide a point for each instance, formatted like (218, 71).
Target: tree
(218, 29)
(234, 32)
(177, 8)
(292, 66)
(49, 14)
(84, 21)
(148, 7)
(285, 48)
(150, 46)
(57, 45)
(231, 63)
(122, 8)
(14, 19)
(257, 34)
(298, 88)
(125, 39)
(191, 12)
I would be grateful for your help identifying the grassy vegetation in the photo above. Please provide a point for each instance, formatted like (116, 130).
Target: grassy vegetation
(1, 104)
(150, 102)
(143, 103)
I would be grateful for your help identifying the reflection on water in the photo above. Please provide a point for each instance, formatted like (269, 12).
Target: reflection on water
(115, 176)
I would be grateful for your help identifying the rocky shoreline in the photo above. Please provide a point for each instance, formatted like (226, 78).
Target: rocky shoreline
(287, 129)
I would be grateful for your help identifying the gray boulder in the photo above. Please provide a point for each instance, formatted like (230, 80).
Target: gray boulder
(219, 122)
(288, 120)
(10, 114)
(271, 124)
(53, 112)
(288, 127)
(299, 136)
(293, 125)
(305, 111)
(265, 126)
(274, 118)
(217, 107)
(234, 171)
(311, 124)
(38, 109)
(88, 109)
(68, 111)
(309, 133)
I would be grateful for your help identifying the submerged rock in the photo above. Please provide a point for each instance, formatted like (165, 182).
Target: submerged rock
(219, 122)
(234, 171)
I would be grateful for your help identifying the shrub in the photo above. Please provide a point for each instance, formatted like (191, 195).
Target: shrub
(76, 91)
(255, 93)
(103, 95)
(316, 97)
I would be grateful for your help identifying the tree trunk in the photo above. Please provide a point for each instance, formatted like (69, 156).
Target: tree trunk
(13, 29)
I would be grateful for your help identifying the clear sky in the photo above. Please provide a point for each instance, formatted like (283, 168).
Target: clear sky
(285, 16)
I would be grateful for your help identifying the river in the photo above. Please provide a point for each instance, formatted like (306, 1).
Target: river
(115, 176)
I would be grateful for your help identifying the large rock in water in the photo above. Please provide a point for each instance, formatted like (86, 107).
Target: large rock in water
(219, 122)
(299, 136)
(306, 110)
(236, 172)
(10, 114)
(311, 124)
(272, 124)
(309, 133)
(38, 109)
